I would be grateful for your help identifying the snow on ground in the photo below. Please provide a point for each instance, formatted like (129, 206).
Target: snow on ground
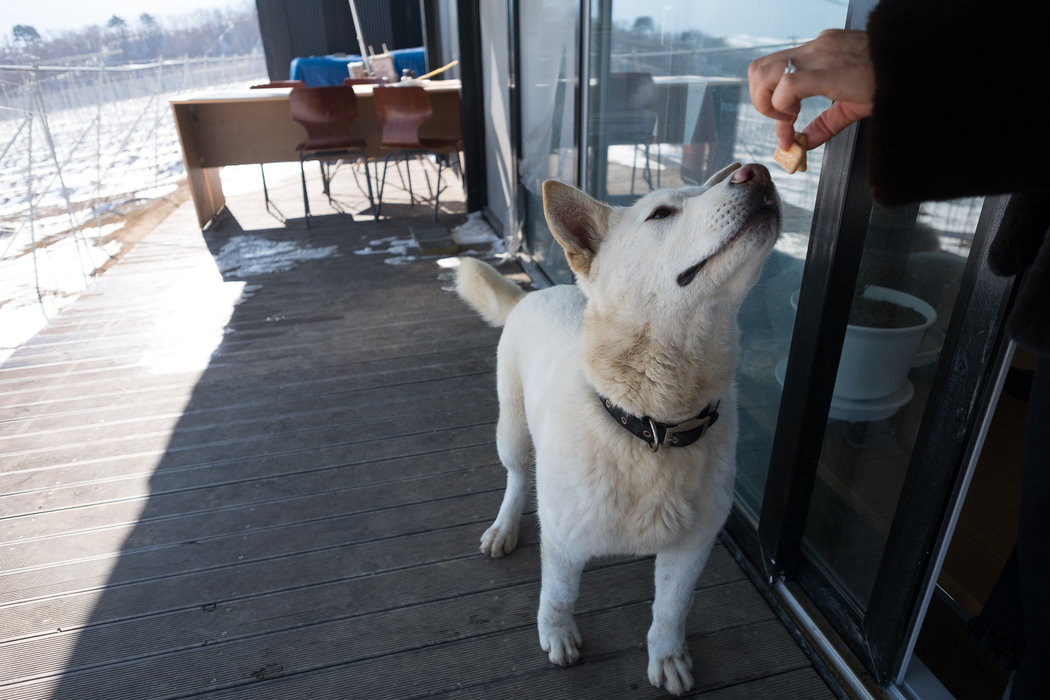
(249, 256)
(58, 229)
(474, 231)
(34, 287)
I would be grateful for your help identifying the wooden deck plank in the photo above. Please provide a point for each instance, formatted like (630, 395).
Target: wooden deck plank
(233, 478)
(294, 569)
(458, 583)
(77, 484)
(86, 529)
(402, 428)
(232, 524)
(314, 487)
(266, 373)
(451, 666)
(208, 393)
(612, 614)
(252, 417)
(389, 342)
(617, 676)
(259, 544)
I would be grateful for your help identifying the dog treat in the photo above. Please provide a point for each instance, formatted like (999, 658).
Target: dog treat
(793, 158)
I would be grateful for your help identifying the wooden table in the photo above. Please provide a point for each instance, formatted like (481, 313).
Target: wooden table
(255, 126)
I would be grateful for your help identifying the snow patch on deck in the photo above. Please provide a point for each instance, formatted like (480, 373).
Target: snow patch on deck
(248, 256)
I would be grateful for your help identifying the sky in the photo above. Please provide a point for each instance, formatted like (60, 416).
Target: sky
(770, 18)
(725, 18)
(56, 16)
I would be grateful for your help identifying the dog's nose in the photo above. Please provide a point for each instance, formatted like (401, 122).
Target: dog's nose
(752, 172)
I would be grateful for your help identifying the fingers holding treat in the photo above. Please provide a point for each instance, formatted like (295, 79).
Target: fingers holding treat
(794, 158)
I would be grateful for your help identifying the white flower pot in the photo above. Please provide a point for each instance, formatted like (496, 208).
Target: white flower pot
(875, 361)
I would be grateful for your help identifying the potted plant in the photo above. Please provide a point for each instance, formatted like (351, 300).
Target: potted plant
(883, 335)
(885, 329)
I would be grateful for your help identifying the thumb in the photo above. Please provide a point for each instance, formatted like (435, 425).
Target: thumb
(833, 120)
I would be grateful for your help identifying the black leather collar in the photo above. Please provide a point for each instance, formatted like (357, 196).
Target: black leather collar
(656, 434)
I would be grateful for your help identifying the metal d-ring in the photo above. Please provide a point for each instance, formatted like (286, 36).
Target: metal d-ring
(654, 446)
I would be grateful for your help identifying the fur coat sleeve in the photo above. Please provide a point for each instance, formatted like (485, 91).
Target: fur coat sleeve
(958, 105)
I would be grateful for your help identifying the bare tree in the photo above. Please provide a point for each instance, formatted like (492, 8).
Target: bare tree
(231, 31)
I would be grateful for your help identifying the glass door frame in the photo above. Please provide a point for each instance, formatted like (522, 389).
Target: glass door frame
(517, 206)
(960, 399)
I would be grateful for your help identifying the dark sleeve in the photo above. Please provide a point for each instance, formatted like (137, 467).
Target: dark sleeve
(947, 73)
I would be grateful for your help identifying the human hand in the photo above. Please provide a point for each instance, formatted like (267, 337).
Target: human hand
(836, 65)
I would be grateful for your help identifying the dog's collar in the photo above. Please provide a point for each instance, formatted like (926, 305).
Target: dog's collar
(655, 434)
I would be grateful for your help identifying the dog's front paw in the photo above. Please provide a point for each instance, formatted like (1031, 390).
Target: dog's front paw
(562, 642)
(499, 540)
(672, 671)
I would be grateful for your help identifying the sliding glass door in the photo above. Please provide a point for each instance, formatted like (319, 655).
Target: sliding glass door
(871, 341)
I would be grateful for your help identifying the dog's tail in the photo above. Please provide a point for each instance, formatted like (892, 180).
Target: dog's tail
(491, 294)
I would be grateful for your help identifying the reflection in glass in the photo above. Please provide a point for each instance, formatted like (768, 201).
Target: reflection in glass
(548, 33)
(668, 107)
(913, 258)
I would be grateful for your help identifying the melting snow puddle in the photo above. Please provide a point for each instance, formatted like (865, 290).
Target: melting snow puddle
(247, 256)
(473, 231)
(391, 245)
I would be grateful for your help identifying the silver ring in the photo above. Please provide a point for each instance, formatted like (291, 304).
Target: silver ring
(790, 67)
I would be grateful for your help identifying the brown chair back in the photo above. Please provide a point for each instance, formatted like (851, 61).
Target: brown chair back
(401, 111)
(326, 113)
(280, 84)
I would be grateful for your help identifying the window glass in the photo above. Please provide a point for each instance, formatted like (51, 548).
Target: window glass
(668, 106)
(548, 41)
(903, 301)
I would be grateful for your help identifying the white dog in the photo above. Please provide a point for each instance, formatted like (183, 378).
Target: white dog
(645, 344)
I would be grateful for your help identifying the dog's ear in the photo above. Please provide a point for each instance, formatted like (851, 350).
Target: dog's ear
(721, 174)
(578, 222)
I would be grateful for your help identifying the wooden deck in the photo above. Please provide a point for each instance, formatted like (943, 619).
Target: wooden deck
(283, 498)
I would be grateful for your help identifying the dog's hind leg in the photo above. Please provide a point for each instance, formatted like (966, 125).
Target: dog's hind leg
(560, 584)
(677, 571)
(514, 445)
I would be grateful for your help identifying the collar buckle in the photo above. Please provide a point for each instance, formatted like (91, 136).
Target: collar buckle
(680, 435)
(654, 446)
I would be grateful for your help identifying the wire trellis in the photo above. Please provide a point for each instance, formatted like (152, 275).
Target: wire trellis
(77, 144)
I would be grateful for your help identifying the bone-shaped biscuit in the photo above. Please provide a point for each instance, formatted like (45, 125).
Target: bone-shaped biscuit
(793, 158)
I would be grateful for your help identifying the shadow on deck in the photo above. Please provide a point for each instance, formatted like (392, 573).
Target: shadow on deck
(283, 498)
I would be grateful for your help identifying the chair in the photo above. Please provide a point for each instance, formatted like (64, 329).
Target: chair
(401, 111)
(327, 113)
(274, 84)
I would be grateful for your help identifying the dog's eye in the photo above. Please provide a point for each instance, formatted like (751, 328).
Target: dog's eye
(690, 274)
(661, 213)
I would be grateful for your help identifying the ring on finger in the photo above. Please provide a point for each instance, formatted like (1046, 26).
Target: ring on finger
(790, 67)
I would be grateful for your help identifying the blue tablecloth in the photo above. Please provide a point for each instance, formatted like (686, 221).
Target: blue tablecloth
(330, 70)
